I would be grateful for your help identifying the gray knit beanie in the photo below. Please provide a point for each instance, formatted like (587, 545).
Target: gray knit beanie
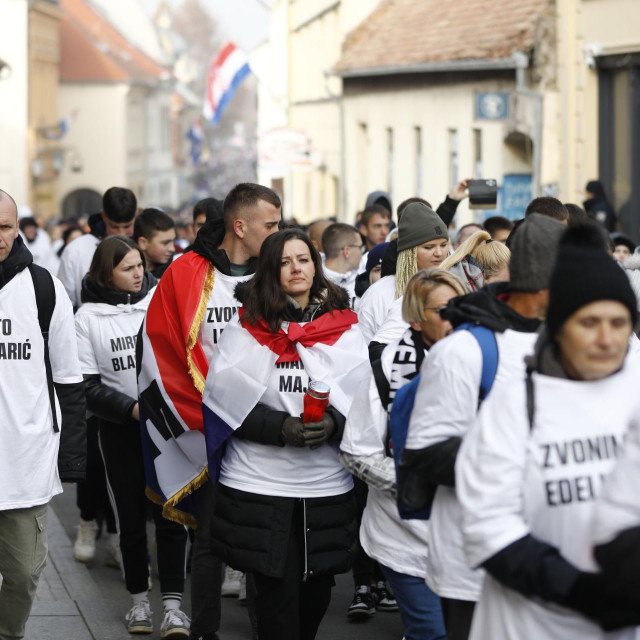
(533, 252)
(419, 224)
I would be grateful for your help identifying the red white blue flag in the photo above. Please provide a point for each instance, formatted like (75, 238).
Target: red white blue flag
(228, 69)
(173, 368)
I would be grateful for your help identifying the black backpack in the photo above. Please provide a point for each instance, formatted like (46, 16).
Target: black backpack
(45, 293)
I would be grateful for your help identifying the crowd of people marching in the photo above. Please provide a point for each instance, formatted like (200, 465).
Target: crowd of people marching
(448, 414)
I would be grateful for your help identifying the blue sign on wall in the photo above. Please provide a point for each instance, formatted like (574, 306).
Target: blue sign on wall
(492, 105)
(515, 195)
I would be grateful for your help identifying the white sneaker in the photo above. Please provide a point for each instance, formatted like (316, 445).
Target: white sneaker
(84, 548)
(175, 624)
(112, 555)
(242, 594)
(138, 618)
(231, 584)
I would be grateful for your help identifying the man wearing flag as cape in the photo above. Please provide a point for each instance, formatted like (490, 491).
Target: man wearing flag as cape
(191, 306)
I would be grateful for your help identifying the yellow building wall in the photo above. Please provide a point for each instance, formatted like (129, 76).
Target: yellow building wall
(436, 111)
(14, 91)
(585, 30)
(97, 137)
(44, 62)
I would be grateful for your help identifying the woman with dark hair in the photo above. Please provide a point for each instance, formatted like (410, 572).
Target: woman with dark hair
(115, 296)
(284, 509)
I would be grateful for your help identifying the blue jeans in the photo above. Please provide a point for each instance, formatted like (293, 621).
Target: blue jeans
(420, 607)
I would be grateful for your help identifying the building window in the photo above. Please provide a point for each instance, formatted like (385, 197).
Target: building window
(477, 153)
(417, 134)
(363, 159)
(390, 162)
(453, 157)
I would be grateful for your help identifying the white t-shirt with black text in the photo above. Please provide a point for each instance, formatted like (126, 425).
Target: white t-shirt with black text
(29, 446)
(107, 337)
(221, 307)
(287, 471)
(513, 480)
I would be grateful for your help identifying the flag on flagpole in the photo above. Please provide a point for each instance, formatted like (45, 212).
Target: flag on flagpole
(228, 69)
(195, 135)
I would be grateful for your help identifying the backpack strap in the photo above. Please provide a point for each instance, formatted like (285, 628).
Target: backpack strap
(382, 383)
(531, 400)
(45, 293)
(489, 347)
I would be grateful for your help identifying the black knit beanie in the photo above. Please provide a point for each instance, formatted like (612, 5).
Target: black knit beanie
(585, 273)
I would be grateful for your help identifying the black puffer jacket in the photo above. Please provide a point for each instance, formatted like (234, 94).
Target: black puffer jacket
(251, 532)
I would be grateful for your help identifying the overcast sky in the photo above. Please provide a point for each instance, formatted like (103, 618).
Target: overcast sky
(246, 21)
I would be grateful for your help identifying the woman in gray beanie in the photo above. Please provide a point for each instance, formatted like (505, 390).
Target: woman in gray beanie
(529, 473)
(423, 243)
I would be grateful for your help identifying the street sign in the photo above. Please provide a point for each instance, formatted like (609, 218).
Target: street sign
(493, 105)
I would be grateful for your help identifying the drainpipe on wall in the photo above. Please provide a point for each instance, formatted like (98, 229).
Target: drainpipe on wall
(522, 63)
(342, 184)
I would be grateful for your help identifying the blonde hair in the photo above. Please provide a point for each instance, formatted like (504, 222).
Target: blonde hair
(421, 286)
(492, 256)
(406, 268)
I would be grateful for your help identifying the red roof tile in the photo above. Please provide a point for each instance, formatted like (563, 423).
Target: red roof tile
(407, 32)
(92, 49)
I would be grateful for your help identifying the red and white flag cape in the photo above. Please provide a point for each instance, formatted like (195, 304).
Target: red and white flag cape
(170, 384)
(331, 348)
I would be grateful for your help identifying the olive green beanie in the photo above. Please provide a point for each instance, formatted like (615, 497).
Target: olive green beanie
(419, 224)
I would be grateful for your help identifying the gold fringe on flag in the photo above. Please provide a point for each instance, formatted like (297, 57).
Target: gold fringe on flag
(196, 375)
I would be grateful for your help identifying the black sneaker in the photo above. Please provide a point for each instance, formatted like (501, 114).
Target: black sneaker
(363, 604)
(384, 598)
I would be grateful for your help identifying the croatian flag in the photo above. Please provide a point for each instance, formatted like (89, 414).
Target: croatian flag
(229, 68)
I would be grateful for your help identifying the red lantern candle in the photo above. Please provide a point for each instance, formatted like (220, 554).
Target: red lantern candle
(316, 400)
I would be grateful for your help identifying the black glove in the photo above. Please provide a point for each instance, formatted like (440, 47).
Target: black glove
(591, 595)
(317, 433)
(293, 432)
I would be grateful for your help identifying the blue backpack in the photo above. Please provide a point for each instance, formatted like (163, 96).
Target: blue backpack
(403, 406)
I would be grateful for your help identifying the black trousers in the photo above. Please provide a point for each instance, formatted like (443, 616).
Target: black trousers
(458, 615)
(92, 498)
(365, 570)
(288, 608)
(206, 569)
(121, 448)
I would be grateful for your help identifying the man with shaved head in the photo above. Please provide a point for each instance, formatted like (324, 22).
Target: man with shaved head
(8, 224)
(42, 404)
(315, 231)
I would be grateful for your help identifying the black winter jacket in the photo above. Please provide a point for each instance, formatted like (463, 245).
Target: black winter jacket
(250, 532)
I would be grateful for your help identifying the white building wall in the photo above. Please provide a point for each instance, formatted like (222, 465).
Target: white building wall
(159, 191)
(269, 62)
(14, 170)
(436, 110)
(296, 90)
(97, 136)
